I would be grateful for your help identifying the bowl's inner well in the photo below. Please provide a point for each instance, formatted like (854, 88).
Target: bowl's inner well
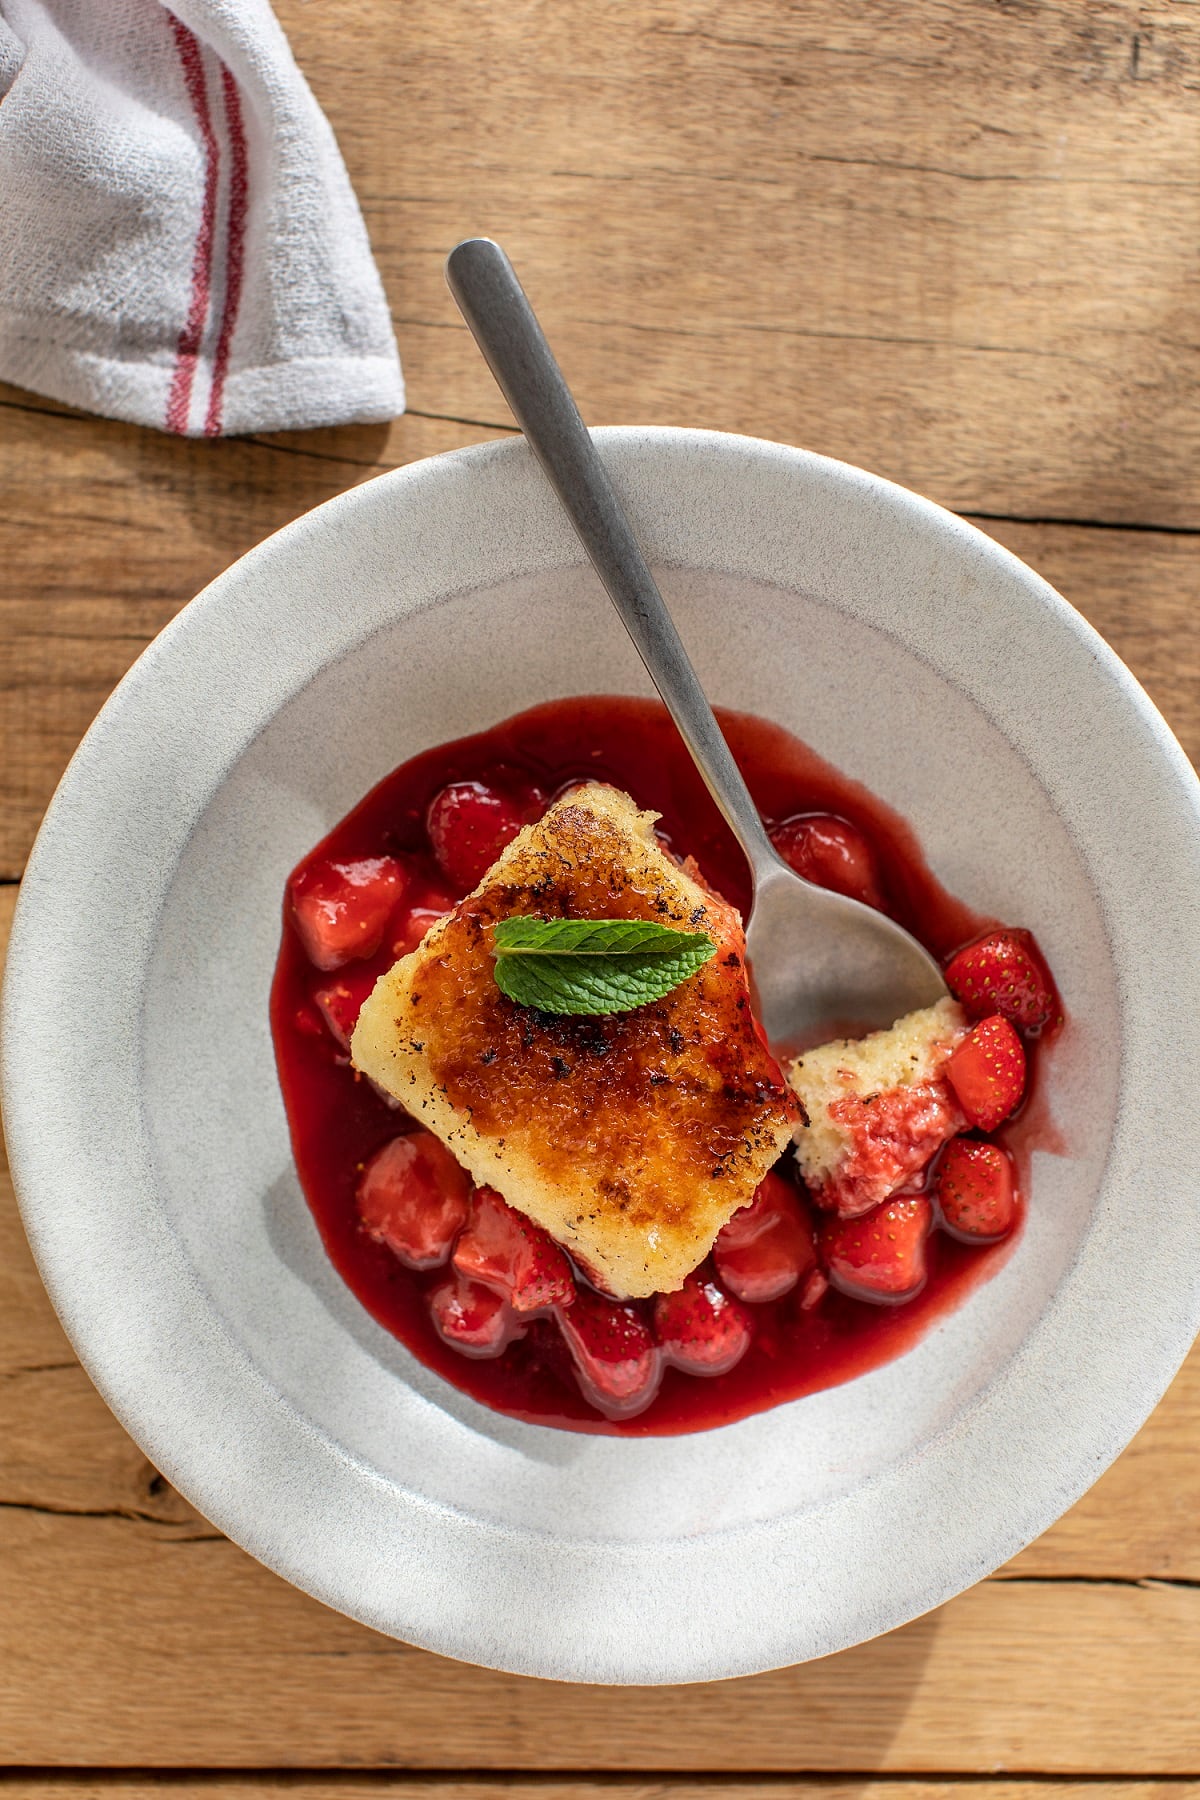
(224, 1167)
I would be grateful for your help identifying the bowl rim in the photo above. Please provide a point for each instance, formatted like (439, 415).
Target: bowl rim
(287, 1543)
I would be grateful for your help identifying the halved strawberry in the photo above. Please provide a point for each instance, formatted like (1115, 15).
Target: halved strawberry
(414, 1197)
(987, 1072)
(767, 1246)
(342, 908)
(617, 1363)
(701, 1330)
(469, 825)
(974, 1188)
(1004, 973)
(880, 1256)
(832, 853)
(508, 1252)
(341, 1002)
(474, 1320)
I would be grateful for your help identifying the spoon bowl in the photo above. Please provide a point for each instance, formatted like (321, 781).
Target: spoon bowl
(827, 966)
(819, 960)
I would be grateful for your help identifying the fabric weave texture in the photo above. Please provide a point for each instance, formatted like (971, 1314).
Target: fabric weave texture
(180, 245)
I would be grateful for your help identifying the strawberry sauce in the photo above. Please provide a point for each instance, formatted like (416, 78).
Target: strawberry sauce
(339, 1122)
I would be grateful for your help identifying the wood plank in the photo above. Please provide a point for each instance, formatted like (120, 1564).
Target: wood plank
(106, 531)
(952, 244)
(335, 1785)
(954, 144)
(71, 624)
(129, 1651)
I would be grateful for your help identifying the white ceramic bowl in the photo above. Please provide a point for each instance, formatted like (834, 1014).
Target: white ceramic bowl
(148, 1139)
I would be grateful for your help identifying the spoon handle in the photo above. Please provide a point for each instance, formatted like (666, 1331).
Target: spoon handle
(493, 302)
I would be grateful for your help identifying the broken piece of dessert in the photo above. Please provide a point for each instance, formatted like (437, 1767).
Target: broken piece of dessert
(876, 1114)
(631, 1137)
(579, 1188)
(876, 1110)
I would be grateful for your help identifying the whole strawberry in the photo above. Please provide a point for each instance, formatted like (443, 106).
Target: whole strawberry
(975, 1190)
(469, 825)
(617, 1363)
(833, 854)
(506, 1251)
(1004, 973)
(768, 1245)
(700, 1328)
(881, 1254)
(987, 1072)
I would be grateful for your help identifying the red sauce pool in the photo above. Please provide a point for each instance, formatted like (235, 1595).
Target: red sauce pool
(337, 1121)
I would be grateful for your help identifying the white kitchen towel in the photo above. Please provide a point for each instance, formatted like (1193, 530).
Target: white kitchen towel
(180, 245)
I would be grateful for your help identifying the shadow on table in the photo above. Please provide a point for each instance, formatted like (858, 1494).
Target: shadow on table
(222, 496)
(842, 1712)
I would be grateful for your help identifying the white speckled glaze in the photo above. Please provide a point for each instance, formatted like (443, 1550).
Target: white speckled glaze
(148, 1139)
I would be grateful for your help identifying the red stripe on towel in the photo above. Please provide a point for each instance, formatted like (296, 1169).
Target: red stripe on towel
(188, 348)
(235, 255)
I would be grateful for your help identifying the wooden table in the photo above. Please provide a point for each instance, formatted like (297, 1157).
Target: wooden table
(956, 241)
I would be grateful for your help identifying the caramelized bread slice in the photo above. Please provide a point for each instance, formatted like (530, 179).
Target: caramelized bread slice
(632, 1137)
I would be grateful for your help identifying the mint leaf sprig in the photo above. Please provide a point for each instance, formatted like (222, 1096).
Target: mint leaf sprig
(594, 965)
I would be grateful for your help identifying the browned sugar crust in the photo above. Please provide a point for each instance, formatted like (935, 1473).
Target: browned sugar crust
(631, 1137)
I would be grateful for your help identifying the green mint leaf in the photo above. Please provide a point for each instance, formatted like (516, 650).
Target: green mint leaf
(594, 965)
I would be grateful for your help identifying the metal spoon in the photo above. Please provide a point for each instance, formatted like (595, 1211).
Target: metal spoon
(818, 959)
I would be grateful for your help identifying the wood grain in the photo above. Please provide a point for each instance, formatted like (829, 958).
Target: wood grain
(954, 242)
(106, 532)
(91, 1785)
(979, 278)
(147, 1651)
(160, 518)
